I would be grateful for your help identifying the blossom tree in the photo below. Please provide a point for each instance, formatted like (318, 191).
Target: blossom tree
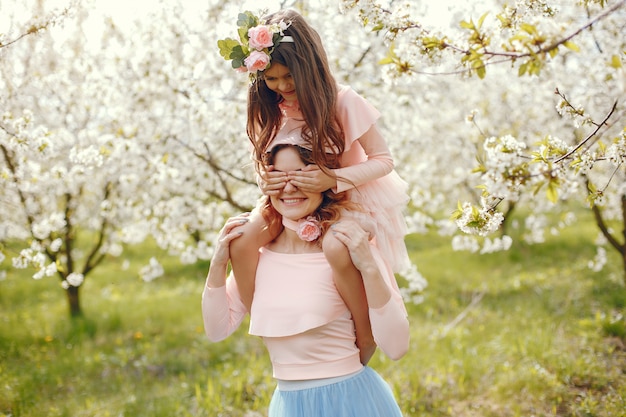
(93, 139)
(111, 134)
(107, 140)
(548, 147)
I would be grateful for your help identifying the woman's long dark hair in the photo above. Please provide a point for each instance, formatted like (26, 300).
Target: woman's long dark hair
(316, 90)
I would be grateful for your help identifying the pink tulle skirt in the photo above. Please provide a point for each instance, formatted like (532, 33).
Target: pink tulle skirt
(384, 201)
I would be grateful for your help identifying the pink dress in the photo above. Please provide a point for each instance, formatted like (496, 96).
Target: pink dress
(375, 186)
(304, 323)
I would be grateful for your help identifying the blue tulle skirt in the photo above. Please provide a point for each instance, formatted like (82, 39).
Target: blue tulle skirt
(365, 394)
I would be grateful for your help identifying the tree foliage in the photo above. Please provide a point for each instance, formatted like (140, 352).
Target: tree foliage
(112, 133)
(575, 51)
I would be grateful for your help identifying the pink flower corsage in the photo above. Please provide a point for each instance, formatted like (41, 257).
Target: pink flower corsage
(309, 229)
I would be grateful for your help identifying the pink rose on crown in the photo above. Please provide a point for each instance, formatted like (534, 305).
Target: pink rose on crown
(309, 229)
(260, 37)
(256, 61)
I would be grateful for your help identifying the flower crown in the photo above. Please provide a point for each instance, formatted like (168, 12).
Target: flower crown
(257, 40)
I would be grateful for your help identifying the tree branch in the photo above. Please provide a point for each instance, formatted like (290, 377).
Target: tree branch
(90, 263)
(220, 173)
(52, 19)
(597, 214)
(475, 300)
(591, 135)
(512, 56)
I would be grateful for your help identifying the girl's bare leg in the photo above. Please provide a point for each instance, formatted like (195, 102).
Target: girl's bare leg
(350, 286)
(244, 254)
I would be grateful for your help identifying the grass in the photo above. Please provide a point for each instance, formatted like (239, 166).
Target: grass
(528, 332)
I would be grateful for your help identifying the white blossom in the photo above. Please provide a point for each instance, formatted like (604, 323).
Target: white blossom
(413, 292)
(465, 243)
(598, 262)
(151, 271)
(56, 244)
(482, 221)
(534, 229)
(616, 153)
(496, 244)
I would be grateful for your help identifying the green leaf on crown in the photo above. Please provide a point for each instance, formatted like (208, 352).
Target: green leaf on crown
(238, 52)
(243, 35)
(226, 47)
(245, 21)
(237, 63)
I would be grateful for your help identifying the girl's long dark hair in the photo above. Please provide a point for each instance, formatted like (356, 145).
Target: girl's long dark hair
(316, 90)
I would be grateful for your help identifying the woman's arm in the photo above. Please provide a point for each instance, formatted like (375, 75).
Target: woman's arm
(222, 308)
(388, 317)
(349, 284)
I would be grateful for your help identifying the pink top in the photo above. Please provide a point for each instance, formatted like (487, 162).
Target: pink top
(357, 117)
(301, 317)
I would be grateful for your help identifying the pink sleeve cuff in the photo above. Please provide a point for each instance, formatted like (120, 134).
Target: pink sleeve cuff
(391, 328)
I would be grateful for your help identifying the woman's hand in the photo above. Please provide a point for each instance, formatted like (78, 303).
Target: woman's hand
(312, 179)
(351, 234)
(272, 182)
(221, 253)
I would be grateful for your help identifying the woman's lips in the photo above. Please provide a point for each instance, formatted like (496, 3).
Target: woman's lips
(292, 201)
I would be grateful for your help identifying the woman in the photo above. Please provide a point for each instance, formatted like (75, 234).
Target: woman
(298, 311)
(294, 97)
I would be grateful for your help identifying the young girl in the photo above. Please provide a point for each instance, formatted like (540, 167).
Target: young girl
(293, 98)
(297, 310)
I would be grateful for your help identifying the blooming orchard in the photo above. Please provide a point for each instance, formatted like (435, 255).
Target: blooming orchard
(549, 115)
(111, 134)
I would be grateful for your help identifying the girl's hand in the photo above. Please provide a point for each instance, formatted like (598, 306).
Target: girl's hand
(312, 179)
(221, 254)
(272, 182)
(351, 234)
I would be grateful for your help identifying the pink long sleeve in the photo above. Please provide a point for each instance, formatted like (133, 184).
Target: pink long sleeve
(377, 162)
(390, 324)
(222, 310)
(390, 327)
(366, 156)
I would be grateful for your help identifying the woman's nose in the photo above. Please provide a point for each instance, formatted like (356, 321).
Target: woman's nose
(290, 188)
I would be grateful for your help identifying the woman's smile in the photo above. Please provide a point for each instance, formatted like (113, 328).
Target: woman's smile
(292, 201)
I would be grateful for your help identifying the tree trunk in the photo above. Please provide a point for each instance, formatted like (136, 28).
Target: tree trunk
(619, 246)
(74, 301)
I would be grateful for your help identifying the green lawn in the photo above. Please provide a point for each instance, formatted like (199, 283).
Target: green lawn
(529, 332)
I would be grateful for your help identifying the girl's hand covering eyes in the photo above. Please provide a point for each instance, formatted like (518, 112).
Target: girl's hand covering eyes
(312, 179)
(272, 182)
